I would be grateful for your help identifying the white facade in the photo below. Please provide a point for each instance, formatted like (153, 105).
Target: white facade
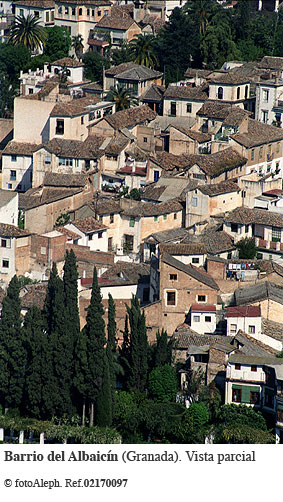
(6, 7)
(45, 15)
(250, 325)
(198, 260)
(203, 322)
(269, 94)
(9, 208)
(96, 240)
(17, 172)
(7, 258)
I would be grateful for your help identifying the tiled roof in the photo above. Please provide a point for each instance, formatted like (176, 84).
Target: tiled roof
(258, 134)
(6, 128)
(169, 161)
(33, 294)
(219, 188)
(259, 292)
(187, 338)
(191, 93)
(90, 2)
(42, 4)
(6, 196)
(89, 225)
(235, 116)
(229, 78)
(131, 117)
(217, 163)
(252, 347)
(200, 137)
(122, 10)
(271, 62)
(39, 196)
(139, 73)
(15, 148)
(74, 107)
(203, 308)
(115, 23)
(64, 180)
(72, 63)
(273, 329)
(75, 149)
(214, 241)
(216, 110)
(244, 311)
(175, 234)
(107, 206)
(12, 231)
(194, 272)
(250, 359)
(150, 209)
(245, 216)
(116, 70)
(154, 93)
(133, 272)
(196, 72)
(69, 234)
(188, 248)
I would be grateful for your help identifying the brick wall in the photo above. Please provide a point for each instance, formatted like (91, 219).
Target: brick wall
(216, 269)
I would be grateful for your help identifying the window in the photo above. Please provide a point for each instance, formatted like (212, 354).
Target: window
(47, 159)
(64, 161)
(47, 17)
(106, 13)
(254, 397)
(229, 255)
(145, 140)
(21, 12)
(237, 366)
(165, 217)
(260, 152)
(195, 260)
(30, 91)
(253, 368)
(128, 242)
(220, 93)
(189, 108)
(93, 12)
(155, 175)
(194, 201)
(265, 94)
(171, 298)
(155, 218)
(207, 318)
(259, 256)
(252, 329)
(196, 318)
(173, 277)
(100, 235)
(233, 328)
(87, 12)
(90, 237)
(264, 116)
(5, 243)
(132, 222)
(173, 109)
(252, 154)
(234, 227)
(59, 126)
(91, 116)
(82, 120)
(202, 298)
(73, 11)
(110, 243)
(236, 395)
(238, 92)
(66, 10)
(247, 228)
(111, 218)
(246, 91)
(80, 12)
(175, 216)
(276, 234)
(13, 158)
(99, 13)
(10, 186)
(5, 263)
(13, 175)
(277, 147)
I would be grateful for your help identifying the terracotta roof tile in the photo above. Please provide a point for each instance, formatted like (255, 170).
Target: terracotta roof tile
(258, 134)
(219, 188)
(217, 163)
(16, 148)
(72, 63)
(115, 23)
(131, 117)
(244, 311)
(89, 225)
(150, 209)
(183, 248)
(191, 93)
(245, 216)
(74, 107)
(12, 231)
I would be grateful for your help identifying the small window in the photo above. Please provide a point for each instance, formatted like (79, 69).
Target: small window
(254, 397)
(196, 318)
(236, 395)
(110, 243)
(195, 260)
(66, 10)
(155, 175)
(80, 12)
(173, 109)
(87, 12)
(93, 12)
(247, 229)
(73, 11)
(220, 93)
(13, 158)
(13, 175)
(99, 13)
(237, 366)
(175, 216)
(194, 201)
(171, 298)
(100, 235)
(260, 152)
(234, 227)
(253, 368)
(82, 120)
(10, 186)
(229, 255)
(238, 92)
(132, 222)
(5, 243)
(145, 140)
(5, 263)
(165, 217)
(252, 329)
(207, 318)
(189, 108)
(36, 13)
(233, 328)
(173, 277)
(59, 127)
(252, 154)
(201, 298)
(90, 237)
(155, 218)
(111, 218)
(47, 17)
(43, 250)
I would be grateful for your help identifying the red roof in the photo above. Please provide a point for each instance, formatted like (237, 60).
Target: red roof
(87, 281)
(141, 171)
(203, 308)
(244, 311)
(275, 191)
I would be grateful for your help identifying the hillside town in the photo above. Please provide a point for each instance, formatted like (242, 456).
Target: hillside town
(169, 187)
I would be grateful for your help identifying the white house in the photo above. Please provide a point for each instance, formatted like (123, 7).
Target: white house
(203, 318)
(90, 232)
(246, 318)
(9, 203)
(44, 11)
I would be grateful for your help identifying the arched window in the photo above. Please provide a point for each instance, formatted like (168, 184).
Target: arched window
(238, 92)
(80, 12)
(246, 91)
(220, 92)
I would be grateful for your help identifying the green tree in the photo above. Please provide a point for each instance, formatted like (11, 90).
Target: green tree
(81, 372)
(111, 348)
(36, 346)
(78, 46)
(142, 50)
(58, 43)
(163, 384)
(197, 421)
(138, 360)
(162, 349)
(122, 97)
(7, 95)
(104, 403)
(28, 31)
(94, 66)
(12, 60)
(247, 248)
(12, 352)
(121, 54)
(124, 353)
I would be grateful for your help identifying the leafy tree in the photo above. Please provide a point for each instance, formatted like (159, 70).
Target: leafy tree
(138, 360)
(247, 248)
(163, 384)
(120, 55)
(94, 66)
(12, 352)
(122, 97)
(58, 43)
(211, 397)
(142, 50)
(28, 32)
(12, 60)
(195, 384)
(197, 422)
(7, 95)
(162, 349)
(81, 371)
(78, 46)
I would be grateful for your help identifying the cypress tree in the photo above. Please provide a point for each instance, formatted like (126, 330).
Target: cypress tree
(95, 342)
(111, 344)
(36, 345)
(81, 370)
(12, 352)
(162, 349)
(104, 401)
(124, 353)
(138, 347)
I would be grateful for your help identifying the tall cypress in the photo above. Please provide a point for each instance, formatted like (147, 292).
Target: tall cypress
(95, 343)
(138, 347)
(111, 344)
(81, 372)
(104, 402)
(124, 354)
(162, 349)
(12, 351)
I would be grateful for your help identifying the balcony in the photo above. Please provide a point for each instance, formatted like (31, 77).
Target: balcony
(274, 245)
